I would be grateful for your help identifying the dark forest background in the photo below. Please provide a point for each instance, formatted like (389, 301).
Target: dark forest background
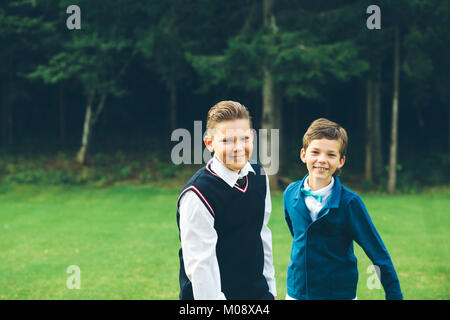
(98, 104)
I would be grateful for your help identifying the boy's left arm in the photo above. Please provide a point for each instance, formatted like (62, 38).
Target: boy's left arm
(266, 236)
(365, 234)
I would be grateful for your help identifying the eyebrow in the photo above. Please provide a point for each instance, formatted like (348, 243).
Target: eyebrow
(236, 136)
(329, 150)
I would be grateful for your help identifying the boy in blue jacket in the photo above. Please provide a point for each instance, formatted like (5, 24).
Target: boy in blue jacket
(324, 218)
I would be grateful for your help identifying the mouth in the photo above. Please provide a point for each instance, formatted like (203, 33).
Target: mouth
(321, 169)
(236, 159)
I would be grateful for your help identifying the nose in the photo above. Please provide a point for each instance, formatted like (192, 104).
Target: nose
(238, 145)
(321, 158)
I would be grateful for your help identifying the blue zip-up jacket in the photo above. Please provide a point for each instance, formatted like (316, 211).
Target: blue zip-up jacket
(323, 265)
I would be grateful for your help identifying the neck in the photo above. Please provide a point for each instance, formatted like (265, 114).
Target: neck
(316, 184)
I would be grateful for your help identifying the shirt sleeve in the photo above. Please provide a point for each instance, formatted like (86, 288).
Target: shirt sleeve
(198, 243)
(365, 234)
(266, 236)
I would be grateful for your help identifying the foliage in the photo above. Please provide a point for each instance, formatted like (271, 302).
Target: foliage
(302, 61)
(319, 55)
(102, 169)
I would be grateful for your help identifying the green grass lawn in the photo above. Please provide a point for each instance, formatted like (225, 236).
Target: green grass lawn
(125, 241)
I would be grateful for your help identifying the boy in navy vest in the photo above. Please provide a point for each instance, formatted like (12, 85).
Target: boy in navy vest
(222, 216)
(324, 218)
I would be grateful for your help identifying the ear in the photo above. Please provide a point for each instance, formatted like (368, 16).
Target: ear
(341, 162)
(303, 155)
(208, 140)
(252, 134)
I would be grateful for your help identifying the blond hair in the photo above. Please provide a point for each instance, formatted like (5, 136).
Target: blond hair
(225, 111)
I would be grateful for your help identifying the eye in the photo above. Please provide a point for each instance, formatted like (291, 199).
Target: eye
(332, 155)
(227, 140)
(314, 152)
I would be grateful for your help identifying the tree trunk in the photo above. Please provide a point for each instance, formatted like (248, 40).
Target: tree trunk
(9, 98)
(420, 121)
(89, 122)
(9, 122)
(62, 117)
(269, 114)
(7, 102)
(294, 120)
(377, 151)
(267, 12)
(81, 155)
(278, 121)
(4, 116)
(392, 179)
(173, 107)
(268, 123)
(369, 120)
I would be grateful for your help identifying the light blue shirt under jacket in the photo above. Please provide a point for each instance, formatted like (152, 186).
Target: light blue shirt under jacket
(322, 264)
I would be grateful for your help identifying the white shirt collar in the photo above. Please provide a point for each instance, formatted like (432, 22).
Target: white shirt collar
(323, 191)
(228, 175)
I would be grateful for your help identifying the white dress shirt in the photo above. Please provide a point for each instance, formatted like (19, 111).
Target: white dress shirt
(199, 238)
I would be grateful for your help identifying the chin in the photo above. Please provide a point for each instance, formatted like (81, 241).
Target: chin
(319, 175)
(237, 166)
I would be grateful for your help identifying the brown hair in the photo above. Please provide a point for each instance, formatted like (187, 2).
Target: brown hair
(225, 111)
(324, 128)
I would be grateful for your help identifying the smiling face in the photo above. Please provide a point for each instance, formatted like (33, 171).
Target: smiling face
(232, 143)
(322, 158)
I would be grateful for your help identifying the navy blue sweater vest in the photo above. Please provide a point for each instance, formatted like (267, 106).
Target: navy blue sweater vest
(238, 219)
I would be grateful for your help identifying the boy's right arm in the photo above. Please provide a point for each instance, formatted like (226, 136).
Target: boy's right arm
(198, 243)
